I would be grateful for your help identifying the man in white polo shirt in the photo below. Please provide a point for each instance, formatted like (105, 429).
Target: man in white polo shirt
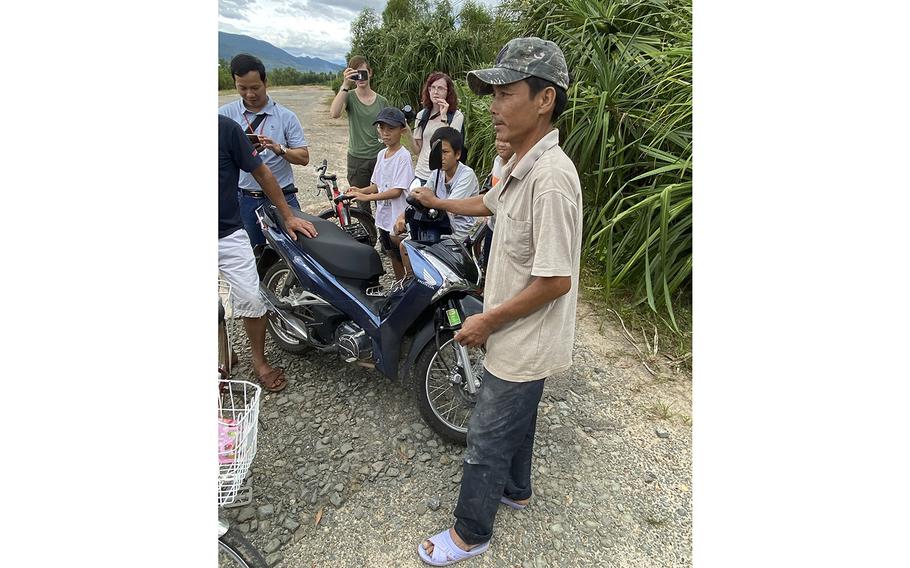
(528, 319)
(280, 139)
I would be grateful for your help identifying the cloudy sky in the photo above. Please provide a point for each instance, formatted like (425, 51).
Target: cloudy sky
(317, 28)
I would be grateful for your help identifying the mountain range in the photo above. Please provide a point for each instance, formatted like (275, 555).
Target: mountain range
(272, 57)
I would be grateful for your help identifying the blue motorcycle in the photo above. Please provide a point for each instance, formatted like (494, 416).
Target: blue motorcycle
(323, 294)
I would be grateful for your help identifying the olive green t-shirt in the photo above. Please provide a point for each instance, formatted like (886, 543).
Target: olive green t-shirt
(363, 142)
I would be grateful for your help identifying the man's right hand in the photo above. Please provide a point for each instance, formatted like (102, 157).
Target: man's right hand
(348, 82)
(295, 224)
(426, 197)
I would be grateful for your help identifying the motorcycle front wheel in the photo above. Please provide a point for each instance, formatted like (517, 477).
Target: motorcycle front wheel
(279, 279)
(362, 226)
(234, 551)
(443, 397)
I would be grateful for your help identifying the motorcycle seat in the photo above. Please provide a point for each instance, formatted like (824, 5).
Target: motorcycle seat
(337, 251)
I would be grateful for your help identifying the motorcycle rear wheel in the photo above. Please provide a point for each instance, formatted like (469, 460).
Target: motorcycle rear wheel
(362, 226)
(279, 279)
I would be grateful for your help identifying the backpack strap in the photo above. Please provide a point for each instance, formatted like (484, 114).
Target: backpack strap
(251, 129)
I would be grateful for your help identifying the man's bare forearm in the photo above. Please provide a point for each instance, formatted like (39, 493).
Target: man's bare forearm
(266, 179)
(472, 206)
(299, 156)
(338, 103)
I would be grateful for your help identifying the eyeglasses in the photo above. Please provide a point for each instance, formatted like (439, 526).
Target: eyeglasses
(437, 88)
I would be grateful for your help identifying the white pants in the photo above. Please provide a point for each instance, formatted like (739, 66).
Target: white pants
(238, 266)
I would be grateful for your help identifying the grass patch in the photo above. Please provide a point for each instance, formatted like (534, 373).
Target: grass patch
(656, 337)
(661, 411)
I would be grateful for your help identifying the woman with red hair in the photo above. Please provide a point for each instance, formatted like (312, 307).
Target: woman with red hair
(440, 108)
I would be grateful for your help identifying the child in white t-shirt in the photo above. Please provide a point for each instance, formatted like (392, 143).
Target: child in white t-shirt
(388, 185)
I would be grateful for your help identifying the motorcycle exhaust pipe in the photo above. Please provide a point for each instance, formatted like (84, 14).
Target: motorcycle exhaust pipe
(276, 310)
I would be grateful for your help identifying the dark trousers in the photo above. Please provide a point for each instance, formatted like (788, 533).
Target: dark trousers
(360, 171)
(498, 458)
(248, 207)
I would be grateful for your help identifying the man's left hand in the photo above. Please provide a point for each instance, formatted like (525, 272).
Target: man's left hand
(474, 331)
(268, 143)
(294, 224)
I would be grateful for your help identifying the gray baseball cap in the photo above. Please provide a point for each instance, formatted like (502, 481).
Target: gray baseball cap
(521, 58)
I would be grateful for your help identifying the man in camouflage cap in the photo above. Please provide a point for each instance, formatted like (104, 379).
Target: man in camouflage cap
(528, 319)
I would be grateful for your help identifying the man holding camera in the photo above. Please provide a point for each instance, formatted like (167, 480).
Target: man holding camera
(363, 105)
(275, 133)
(528, 319)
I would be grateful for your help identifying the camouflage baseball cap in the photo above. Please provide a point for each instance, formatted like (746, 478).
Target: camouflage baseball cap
(521, 58)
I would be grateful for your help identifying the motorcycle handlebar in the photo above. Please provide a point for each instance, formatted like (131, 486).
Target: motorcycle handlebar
(412, 201)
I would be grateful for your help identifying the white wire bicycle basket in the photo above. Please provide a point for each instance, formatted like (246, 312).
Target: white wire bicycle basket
(238, 419)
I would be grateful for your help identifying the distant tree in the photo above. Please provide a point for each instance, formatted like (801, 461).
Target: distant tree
(398, 11)
(225, 79)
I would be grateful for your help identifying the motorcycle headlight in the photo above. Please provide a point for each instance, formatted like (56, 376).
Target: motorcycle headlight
(451, 281)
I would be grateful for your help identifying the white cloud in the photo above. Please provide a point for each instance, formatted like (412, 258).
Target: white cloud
(317, 28)
(235, 9)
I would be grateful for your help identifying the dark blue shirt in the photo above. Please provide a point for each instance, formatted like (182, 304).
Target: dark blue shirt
(235, 153)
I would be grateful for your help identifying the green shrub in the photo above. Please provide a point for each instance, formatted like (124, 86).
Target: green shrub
(627, 125)
(628, 128)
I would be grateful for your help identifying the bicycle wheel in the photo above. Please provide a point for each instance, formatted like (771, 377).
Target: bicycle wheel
(234, 550)
(362, 227)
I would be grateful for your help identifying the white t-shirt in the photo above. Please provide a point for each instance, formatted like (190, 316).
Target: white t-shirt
(463, 185)
(390, 173)
(426, 134)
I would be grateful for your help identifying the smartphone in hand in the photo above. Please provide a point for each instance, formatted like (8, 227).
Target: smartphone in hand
(253, 138)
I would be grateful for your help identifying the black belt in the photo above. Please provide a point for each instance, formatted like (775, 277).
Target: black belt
(287, 190)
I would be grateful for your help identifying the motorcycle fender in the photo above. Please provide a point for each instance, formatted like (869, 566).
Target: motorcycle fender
(265, 260)
(468, 306)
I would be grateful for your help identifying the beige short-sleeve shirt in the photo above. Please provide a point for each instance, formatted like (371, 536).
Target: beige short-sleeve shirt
(537, 208)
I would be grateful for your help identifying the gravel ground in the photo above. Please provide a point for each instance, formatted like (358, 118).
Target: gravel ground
(347, 474)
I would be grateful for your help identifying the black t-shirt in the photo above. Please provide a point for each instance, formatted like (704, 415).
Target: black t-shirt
(235, 153)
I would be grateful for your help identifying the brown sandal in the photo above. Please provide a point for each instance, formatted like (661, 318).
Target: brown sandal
(275, 379)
